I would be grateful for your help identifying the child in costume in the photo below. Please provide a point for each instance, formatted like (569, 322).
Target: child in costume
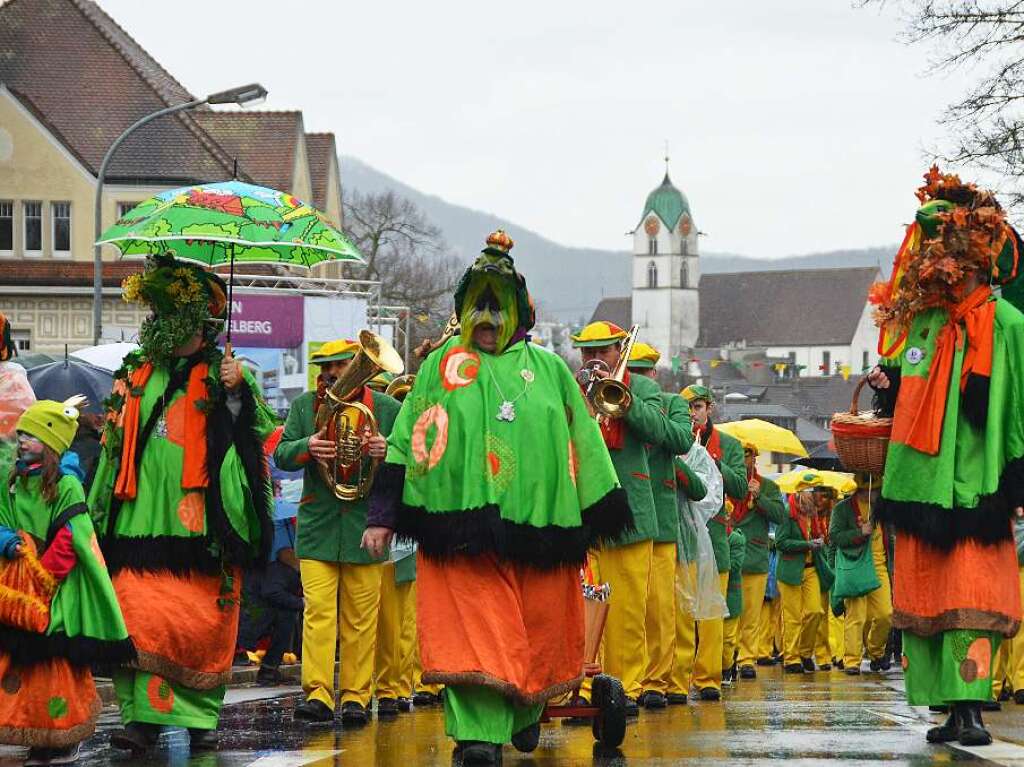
(499, 473)
(58, 611)
(15, 395)
(953, 377)
(181, 499)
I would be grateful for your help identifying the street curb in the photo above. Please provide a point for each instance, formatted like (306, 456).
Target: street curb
(240, 675)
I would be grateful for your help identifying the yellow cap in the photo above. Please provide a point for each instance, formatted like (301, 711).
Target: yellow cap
(335, 351)
(643, 356)
(599, 333)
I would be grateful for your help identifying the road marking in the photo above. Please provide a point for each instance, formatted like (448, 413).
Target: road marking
(293, 758)
(1000, 751)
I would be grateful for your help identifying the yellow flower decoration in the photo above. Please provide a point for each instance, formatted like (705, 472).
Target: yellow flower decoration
(131, 289)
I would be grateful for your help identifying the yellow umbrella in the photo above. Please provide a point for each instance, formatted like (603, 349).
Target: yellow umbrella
(765, 436)
(839, 481)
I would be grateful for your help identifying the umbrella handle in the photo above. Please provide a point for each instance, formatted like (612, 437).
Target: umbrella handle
(227, 350)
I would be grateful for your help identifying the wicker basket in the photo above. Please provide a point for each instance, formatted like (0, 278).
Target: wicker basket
(861, 438)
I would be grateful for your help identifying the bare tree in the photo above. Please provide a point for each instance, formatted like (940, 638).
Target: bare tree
(987, 123)
(409, 256)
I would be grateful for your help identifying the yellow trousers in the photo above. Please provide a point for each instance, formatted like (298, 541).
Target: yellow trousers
(730, 634)
(750, 619)
(836, 634)
(770, 628)
(685, 640)
(358, 588)
(707, 668)
(627, 569)
(1009, 665)
(660, 624)
(396, 634)
(822, 644)
(801, 614)
(868, 617)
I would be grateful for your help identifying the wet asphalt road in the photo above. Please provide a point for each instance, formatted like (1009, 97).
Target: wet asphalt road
(813, 720)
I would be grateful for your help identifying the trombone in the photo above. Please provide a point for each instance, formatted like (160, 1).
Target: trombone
(610, 397)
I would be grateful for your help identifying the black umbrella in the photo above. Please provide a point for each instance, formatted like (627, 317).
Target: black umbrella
(68, 377)
(822, 458)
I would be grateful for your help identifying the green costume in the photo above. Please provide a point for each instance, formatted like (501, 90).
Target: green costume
(323, 531)
(793, 548)
(737, 555)
(769, 507)
(663, 472)
(728, 454)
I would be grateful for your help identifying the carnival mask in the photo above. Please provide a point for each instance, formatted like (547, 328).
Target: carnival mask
(490, 300)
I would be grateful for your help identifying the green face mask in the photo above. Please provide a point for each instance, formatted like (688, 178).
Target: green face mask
(490, 300)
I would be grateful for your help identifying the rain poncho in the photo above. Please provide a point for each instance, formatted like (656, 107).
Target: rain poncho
(15, 395)
(700, 594)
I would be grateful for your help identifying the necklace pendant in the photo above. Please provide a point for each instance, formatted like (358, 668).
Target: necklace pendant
(507, 412)
(161, 427)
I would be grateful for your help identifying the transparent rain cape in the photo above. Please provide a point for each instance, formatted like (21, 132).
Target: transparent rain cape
(698, 590)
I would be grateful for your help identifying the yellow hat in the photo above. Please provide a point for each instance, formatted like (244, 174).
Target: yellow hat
(335, 351)
(695, 392)
(599, 333)
(809, 480)
(643, 356)
(52, 423)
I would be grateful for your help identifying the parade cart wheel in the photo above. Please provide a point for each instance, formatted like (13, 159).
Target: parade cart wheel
(609, 726)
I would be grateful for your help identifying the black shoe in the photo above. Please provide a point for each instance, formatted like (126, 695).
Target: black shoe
(137, 737)
(945, 733)
(794, 668)
(38, 757)
(852, 670)
(839, 665)
(1018, 697)
(404, 704)
(939, 709)
(387, 708)
(270, 676)
(424, 699)
(202, 740)
(748, 672)
(312, 711)
(632, 707)
(526, 740)
(1005, 695)
(653, 699)
(477, 752)
(766, 661)
(972, 729)
(710, 694)
(992, 705)
(677, 699)
(67, 755)
(882, 664)
(808, 665)
(825, 667)
(727, 677)
(354, 713)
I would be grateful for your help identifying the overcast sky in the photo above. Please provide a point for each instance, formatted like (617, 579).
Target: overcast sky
(794, 125)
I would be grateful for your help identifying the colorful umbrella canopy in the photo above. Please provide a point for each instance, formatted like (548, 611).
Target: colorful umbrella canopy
(227, 222)
(841, 482)
(106, 356)
(765, 436)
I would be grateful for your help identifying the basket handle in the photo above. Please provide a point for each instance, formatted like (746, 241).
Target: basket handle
(856, 395)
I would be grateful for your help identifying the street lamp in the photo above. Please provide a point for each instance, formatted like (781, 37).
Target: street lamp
(245, 95)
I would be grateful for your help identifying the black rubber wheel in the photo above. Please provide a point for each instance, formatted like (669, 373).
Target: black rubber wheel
(609, 727)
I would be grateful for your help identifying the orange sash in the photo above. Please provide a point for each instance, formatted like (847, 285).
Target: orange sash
(919, 414)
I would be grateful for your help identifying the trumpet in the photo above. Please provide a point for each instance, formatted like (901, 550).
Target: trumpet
(342, 415)
(587, 376)
(610, 397)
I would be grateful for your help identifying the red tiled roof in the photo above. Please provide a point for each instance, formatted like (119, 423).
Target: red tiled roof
(65, 273)
(91, 80)
(321, 152)
(264, 143)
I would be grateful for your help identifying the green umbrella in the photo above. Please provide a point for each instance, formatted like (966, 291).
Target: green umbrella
(215, 224)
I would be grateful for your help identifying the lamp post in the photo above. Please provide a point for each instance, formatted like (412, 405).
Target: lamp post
(246, 95)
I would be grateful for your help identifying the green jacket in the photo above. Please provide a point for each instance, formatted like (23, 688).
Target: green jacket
(793, 548)
(645, 424)
(663, 474)
(689, 487)
(769, 507)
(328, 530)
(734, 480)
(737, 555)
(843, 530)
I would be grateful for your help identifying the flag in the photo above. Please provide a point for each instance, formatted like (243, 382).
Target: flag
(676, 363)
(844, 371)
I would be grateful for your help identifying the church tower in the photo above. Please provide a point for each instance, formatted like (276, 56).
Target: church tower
(666, 273)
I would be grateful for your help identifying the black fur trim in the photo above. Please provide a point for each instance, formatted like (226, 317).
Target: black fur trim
(26, 648)
(974, 400)
(884, 401)
(386, 495)
(161, 554)
(482, 531)
(989, 522)
(610, 517)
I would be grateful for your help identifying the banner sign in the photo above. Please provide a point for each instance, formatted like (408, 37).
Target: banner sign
(265, 321)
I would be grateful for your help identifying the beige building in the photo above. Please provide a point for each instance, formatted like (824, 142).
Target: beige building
(71, 80)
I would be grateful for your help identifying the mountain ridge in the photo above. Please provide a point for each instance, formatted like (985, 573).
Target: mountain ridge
(549, 266)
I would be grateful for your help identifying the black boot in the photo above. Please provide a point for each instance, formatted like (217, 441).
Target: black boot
(947, 732)
(972, 729)
(477, 752)
(527, 739)
(137, 737)
(202, 740)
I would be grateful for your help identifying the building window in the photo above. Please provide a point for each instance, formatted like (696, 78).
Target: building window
(826, 363)
(684, 275)
(6, 227)
(60, 213)
(866, 361)
(684, 247)
(22, 340)
(123, 208)
(652, 274)
(33, 220)
(652, 246)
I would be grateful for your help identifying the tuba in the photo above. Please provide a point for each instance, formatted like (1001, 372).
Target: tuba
(347, 474)
(400, 386)
(610, 397)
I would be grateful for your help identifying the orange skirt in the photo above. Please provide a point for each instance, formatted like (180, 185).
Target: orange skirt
(510, 627)
(184, 628)
(971, 587)
(47, 705)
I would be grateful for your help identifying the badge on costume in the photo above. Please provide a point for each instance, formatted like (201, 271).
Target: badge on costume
(915, 354)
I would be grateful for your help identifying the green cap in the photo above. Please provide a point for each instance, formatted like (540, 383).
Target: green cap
(695, 392)
(52, 423)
